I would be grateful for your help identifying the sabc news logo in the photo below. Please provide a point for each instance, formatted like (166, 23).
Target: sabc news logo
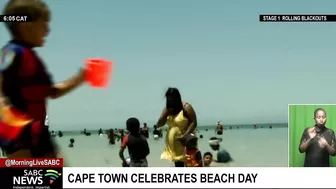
(36, 177)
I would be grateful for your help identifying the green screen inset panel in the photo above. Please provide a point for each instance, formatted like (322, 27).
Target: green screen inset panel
(301, 117)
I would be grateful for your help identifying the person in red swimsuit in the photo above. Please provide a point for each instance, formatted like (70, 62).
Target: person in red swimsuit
(192, 153)
(25, 82)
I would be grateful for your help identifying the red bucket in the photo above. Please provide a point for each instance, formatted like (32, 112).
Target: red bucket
(98, 72)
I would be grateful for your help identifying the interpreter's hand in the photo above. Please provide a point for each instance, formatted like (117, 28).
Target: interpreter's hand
(322, 142)
(311, 133)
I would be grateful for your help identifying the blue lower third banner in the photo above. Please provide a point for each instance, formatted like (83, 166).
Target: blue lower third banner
(31, 178)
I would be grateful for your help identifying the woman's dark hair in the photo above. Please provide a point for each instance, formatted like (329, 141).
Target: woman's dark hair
(72, 140)
(174, 103)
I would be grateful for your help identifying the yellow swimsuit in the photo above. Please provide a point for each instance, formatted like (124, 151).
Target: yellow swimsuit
(177, 126)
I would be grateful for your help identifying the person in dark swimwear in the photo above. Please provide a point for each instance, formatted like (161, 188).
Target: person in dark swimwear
(53, 134)
(72, 141)
(25, 82)
(156, 133)
(144, 130)
(318, 142)
(136, 143)
(111, 137)
(100, 131)
(219, 128)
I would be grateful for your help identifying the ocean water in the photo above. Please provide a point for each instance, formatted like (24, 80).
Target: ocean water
(262, 147)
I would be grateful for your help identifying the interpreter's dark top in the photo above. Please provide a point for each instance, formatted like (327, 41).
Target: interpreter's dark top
(137, 146)
(315, 155)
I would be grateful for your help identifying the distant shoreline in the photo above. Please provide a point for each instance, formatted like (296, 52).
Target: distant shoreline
(243, 126)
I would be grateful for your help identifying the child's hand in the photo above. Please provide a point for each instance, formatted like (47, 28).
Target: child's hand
(124, 164)
(81, 75)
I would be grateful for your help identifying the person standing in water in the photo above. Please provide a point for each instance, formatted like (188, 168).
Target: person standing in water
(25, 83)
(222, 155)
(219, 128)
(318, 142)
(144, 130)
(192, 153)
(100, 131)
(111, 136)
(137, 145)
(181, 119)
(156, 133)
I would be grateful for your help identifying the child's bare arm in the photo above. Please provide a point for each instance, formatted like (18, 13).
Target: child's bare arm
(65, 87)
(121, 154)
(122, 148)
(147, 149)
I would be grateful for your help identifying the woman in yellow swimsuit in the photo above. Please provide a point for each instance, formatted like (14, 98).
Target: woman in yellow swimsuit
(181, 119)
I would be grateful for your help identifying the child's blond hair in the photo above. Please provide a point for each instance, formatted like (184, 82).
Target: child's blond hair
(35, 9)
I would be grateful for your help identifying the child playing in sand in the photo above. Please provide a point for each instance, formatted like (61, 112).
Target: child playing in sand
(136, 143)
(207, 159)
(191, 152)
(222, 155)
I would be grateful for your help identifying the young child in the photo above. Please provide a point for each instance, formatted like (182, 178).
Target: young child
(136, 143)
(193, 155)
(222, 155)
(25, 83)
(207, 159)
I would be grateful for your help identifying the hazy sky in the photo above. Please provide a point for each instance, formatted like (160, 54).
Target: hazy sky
(226, 63)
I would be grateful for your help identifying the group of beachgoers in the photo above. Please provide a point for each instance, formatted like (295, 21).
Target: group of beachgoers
(181, 140)
(220, 128)
(26, 85)
(120, 134)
